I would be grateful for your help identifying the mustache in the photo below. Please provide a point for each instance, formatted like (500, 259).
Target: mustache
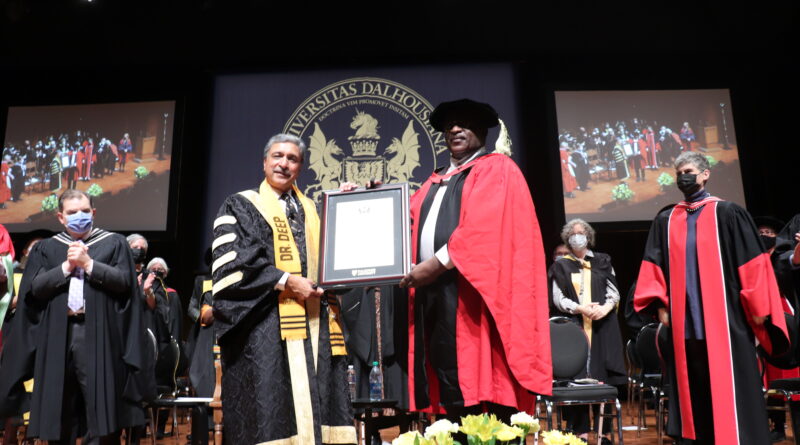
(281, 170)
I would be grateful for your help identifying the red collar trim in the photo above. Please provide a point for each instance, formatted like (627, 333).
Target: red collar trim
(437, 178)
(698, 204)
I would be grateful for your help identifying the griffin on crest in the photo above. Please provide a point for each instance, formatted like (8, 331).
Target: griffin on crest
(401, 167)
(321, 160)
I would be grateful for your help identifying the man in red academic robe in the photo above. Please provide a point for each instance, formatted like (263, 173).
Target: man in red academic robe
(567, 171)
(650, 142)
(707, 276)
(5, 190)
(479, 333)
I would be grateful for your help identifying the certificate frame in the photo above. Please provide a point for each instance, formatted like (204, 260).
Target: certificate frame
(364, 262)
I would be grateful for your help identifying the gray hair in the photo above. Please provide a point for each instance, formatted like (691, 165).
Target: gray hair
(586, 227)
(694, 158)
(159, 260)
(283, 137)
(136, 237)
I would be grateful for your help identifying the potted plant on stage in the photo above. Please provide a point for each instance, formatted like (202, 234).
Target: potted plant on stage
(94, 190)
(50, 204)
(141, 172)
(665, 180)
(622, 194)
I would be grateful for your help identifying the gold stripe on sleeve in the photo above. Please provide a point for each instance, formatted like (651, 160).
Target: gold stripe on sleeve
(224, 219)
(223, 260)
(227, 281)
(224, 239)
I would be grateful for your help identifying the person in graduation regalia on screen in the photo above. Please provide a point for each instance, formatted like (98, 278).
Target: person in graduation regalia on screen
(707, 276)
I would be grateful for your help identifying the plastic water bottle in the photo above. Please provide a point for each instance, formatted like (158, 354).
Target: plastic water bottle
(351, 381)
(375, 382)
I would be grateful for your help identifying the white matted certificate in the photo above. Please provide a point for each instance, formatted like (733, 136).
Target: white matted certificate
(364, 234)
(365, 237)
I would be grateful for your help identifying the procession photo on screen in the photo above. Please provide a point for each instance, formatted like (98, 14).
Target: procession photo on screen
(118, 153)
(617, 149)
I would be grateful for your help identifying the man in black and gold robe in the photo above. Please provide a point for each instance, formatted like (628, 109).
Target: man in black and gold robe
(283, 356)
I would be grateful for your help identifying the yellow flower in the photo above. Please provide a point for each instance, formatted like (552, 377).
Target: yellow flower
(525, 421)
(507, 433)
(554, 438)
(410, 438)
(482, 426)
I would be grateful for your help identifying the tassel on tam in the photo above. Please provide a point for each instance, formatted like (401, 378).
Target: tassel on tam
(503, 143)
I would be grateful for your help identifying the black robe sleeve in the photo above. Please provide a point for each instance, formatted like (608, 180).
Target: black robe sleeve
(17, 359)
(243, 270)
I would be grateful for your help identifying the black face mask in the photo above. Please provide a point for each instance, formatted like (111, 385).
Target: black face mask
(687, 184)
(769, 241)
(138, 256)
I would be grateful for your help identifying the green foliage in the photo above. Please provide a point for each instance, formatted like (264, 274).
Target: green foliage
(50, 203)
(622, 193)
(140, 172)
(665, 180)
(94, 190)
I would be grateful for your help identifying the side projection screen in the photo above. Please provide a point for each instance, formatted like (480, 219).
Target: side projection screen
(617, 149)
(119, 153)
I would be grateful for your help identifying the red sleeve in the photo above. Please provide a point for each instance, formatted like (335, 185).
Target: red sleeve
(651, 286)
(497, 247)
(760, 297)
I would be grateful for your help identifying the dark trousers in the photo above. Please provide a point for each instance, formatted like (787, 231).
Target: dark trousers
(577, 418)
(700, 390)
(76, 387)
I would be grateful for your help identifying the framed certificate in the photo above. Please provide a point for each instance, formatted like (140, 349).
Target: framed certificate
(365, 237)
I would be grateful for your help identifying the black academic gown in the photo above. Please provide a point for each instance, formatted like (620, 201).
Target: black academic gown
(607, 362)
(257, 392)
(166, 323)
(788, 276)
(358, 319)
(200, 342)
(737, 282)
(116, 351)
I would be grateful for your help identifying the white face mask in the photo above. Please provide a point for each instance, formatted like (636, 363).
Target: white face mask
(578, 241)
(558, 257)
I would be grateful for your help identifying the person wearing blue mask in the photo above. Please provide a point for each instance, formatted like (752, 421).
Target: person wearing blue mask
(89, 341)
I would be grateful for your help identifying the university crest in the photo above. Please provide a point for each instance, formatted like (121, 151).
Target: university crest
(365, 128)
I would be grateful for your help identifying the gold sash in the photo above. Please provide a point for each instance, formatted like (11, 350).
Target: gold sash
(287, 258)
(583, 281)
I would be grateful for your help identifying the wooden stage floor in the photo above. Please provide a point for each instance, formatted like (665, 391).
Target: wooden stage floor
(647, 437)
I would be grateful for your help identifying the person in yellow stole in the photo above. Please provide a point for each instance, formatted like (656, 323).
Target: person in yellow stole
(283, 354)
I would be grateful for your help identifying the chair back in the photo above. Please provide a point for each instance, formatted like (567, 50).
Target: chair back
(152, 345)
(647, 349)
(569, 348)
(167, 365)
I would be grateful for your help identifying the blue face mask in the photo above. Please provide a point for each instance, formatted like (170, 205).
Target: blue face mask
(80, 222)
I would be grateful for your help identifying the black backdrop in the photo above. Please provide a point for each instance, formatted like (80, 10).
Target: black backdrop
(74, 51)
